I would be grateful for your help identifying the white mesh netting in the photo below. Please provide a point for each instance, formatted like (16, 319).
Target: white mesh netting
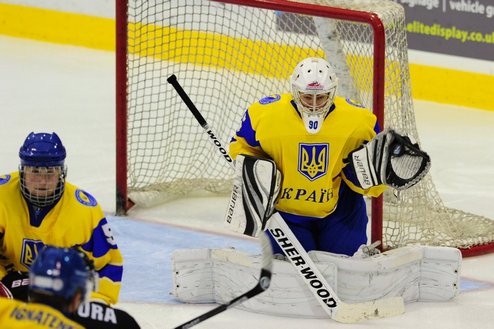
(228, 56)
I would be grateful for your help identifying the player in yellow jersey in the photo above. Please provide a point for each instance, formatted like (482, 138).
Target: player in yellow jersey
(60, 280)
(39, 207)
(327, 152)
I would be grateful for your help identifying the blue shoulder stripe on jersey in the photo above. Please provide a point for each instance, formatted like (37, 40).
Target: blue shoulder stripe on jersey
(354, 103)
(85, 198)
(101, 240)
(113, 272)
(377, 128)
(269, 99)
(247, 132)
(4, 179)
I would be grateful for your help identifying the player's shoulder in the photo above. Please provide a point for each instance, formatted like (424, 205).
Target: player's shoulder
(7, 179)
(30, 313)
(80, 196)
(271, 102)
(348, 104)
(90, 315)
(9, 186)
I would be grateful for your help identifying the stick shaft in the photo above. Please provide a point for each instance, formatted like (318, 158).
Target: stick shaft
(181, 92)
(304, 265)
(193, 109)
(262, 285)
(221, 308)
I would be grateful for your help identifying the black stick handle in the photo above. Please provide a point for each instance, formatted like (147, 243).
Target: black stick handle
(212, 136)
(172, 79)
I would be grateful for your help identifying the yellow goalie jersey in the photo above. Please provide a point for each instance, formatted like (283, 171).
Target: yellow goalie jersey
(75, 220)
(15, 314)
(312, 164)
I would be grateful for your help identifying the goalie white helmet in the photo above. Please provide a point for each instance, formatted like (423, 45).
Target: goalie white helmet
(314, 84)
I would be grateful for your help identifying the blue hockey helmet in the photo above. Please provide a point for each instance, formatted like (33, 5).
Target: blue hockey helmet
(61, 272)
(43, 154)
(42, 150)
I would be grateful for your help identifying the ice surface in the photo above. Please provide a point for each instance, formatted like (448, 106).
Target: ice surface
(70, 90)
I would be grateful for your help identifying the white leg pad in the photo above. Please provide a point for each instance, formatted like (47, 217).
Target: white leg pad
(193, 275)
(440, 274)
(219, 275)
(416, 273)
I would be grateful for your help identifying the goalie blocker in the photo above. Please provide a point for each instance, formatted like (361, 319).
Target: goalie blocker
(390, 159)
(256, 186)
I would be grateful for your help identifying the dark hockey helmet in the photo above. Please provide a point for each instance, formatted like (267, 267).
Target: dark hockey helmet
(42, 154)
(59, 273)
(42, 150)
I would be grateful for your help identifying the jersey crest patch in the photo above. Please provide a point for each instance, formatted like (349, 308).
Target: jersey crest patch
(269, 99)
(313, 160)
(4, 179)
(354, 103)
(85, 198)
(30, 249)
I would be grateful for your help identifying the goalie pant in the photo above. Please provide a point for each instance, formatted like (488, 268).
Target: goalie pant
(97, 315)
(416, 273)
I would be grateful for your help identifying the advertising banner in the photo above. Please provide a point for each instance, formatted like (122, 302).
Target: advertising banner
(454, 27)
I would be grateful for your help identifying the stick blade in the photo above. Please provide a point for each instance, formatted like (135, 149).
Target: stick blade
(381, 308)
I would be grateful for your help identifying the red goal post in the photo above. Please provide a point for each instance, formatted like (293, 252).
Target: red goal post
(241, 50)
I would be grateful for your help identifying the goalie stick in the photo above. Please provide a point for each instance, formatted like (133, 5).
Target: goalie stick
(262, 285)
(310, 274)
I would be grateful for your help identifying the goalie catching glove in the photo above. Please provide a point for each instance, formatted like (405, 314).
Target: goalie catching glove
(390, 159)
(256, 185)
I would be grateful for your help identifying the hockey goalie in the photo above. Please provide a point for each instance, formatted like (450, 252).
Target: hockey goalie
(415, 273)
(312, 157)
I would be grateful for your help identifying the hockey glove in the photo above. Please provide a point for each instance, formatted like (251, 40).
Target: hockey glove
(391, 159)
(5, 292)
(17, 282)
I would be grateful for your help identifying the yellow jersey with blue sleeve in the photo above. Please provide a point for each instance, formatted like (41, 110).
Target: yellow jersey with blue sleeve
(15, 314)
(75, 220)
(312, 164)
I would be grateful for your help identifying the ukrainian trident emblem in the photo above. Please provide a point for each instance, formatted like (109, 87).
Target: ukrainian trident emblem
(313, 160)
(30, 249)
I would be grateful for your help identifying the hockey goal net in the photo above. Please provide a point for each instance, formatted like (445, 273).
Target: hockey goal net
(228, 55)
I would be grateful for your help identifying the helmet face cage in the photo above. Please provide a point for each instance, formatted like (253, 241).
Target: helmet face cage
(42, 186)
(314, 85)
(42, 169)
(314, 103)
